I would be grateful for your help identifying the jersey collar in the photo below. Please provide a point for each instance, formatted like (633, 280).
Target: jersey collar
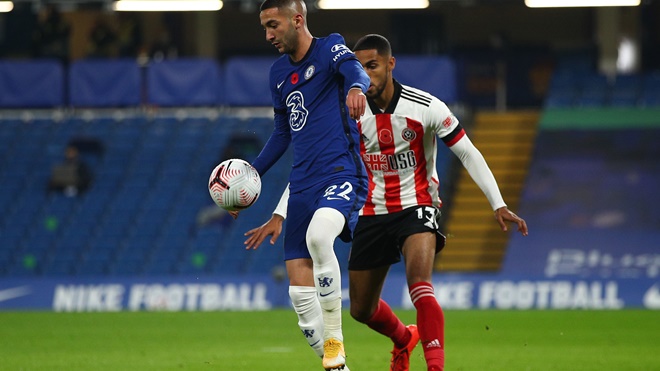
(309, 51)
(395, 100)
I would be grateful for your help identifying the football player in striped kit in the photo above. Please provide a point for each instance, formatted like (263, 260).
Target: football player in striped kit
(398, 146)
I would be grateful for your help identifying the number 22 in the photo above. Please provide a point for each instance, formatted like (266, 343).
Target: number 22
(346, 189)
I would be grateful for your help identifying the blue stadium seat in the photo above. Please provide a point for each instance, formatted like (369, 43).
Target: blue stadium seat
(626, 90)
(20, 270)
(126, 267)
(561, 98)
(594, 90)
(139, 216)
(59, 266)
(650, 95)
(159, 266)
(624, 98)
(228, 265)
(91, 268)
(650, 99)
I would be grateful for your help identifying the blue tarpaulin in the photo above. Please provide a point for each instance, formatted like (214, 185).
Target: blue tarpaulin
(435, 75)
(105, 83)
(35, 83)
(247, 81)
(184, 82)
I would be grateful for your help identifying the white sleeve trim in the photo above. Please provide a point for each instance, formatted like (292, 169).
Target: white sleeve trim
(476, 165)
(281, 208)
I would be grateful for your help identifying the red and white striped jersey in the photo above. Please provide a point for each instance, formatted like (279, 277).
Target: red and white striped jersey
(399, 149)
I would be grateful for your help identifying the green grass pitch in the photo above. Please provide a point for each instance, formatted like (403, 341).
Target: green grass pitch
(255, 341)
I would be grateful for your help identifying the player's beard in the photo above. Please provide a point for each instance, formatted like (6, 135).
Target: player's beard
(289, 42)
(378, 90)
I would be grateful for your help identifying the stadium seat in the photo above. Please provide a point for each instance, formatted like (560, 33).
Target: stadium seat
(625, 90)
(139, 216)
(561, 97)
(91, 268)
(60, 266)
(159, 267)
(650, 95)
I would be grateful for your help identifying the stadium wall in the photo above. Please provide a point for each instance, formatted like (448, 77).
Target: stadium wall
(263, 292)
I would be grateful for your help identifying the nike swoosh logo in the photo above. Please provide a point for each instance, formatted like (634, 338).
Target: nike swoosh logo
(14, 292)
(317, 341)
(280, 84)
(321, 295)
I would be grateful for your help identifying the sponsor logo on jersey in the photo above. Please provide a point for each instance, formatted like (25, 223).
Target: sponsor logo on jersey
(376, 162)
(391, 164)
(309, 72)
(297, 111)
(337, 47)
(408, 134)
(340, 49)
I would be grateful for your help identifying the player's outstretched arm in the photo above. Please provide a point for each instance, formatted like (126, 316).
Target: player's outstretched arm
(504, 215)
(273, 227)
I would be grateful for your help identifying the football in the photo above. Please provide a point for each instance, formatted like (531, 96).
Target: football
(234, 185)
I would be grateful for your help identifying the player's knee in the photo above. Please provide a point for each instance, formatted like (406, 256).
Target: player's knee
(317, 240)
(360, 312)
(302, 297)
(325, 226)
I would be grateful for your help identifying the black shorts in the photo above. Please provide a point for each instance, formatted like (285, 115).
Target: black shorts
(378, 239)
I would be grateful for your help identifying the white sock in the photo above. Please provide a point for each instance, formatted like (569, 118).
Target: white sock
(310, 319)
(325, 226)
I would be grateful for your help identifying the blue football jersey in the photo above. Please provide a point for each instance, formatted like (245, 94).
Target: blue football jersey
(309, 99)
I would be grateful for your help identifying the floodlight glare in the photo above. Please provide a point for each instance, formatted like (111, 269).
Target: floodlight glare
(372, 4)
(579, 3)
(6, 6)
(166, 5)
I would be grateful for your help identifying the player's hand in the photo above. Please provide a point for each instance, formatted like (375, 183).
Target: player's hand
(272, 227)
(504, 215)
(356, 102)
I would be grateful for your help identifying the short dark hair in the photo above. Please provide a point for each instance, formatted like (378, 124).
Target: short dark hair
(374, 41)
(267, 4)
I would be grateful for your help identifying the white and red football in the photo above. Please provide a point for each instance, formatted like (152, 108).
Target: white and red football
(234, 185)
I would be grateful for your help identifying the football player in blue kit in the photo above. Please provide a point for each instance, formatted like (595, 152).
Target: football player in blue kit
(317, 87)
